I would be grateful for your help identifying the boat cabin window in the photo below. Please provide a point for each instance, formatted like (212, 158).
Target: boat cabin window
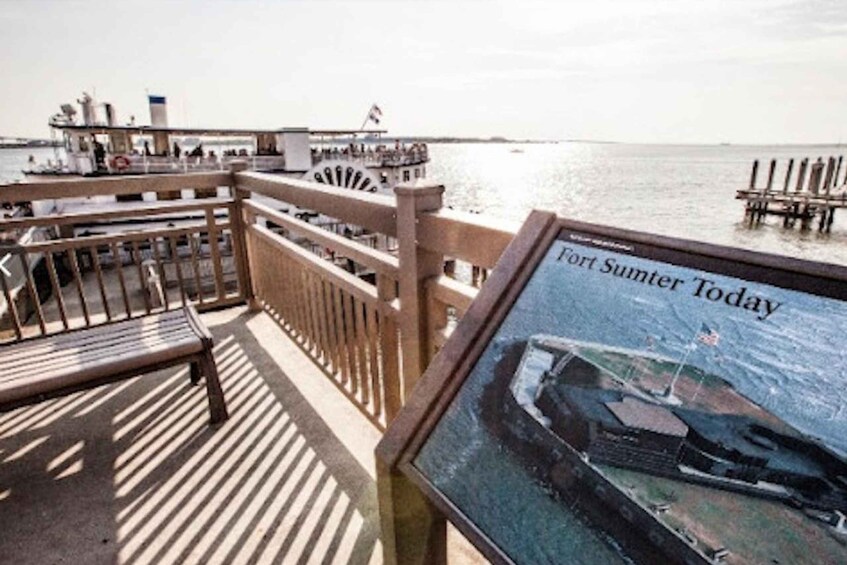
(406, 175)
(417, 173)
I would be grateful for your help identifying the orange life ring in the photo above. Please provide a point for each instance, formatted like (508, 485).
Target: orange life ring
(120, 162)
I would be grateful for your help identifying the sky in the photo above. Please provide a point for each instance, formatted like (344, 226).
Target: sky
(772, 71)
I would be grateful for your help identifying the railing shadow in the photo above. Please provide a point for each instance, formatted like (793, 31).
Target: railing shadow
(132, 472)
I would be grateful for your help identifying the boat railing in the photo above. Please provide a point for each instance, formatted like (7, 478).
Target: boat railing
(147, 164)
(381, 158)
(368, 300)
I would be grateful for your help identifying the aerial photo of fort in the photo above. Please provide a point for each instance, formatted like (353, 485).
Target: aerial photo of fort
(693, 470)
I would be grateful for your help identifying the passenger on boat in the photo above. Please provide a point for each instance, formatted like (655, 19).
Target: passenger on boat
(177, 150)
(146, 149)
(99, 155)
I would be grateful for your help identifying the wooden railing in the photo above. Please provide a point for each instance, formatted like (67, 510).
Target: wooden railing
(354, 326)
(372, 318)
(117, 268)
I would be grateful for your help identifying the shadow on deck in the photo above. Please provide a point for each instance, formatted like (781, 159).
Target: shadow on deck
(132, 472)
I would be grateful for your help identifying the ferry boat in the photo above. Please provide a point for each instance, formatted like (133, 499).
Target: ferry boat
(98, 145)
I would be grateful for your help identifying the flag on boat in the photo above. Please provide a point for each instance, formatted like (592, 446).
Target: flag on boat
(708, 336)
(374, 114)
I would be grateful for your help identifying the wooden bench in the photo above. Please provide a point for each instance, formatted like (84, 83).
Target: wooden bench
(52, 366)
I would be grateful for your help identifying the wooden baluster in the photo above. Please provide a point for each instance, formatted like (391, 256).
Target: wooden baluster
(195, 264)
(361, 345)
(160, 268)
(313, 316)
(341, 337)
(306, 313)
(33, 293)
(437, 323)
(78, 283)
(350, 332)
(373, 337)
(292, 311)
(313, 313)
(116, 258)
(13, 310)
(329, 309)
(214, 248)
(177, 267)
(322, 321)
(57, 288)
(314, 298)
(386, 289)
(136, 258)
(95, 260)
(296, 278)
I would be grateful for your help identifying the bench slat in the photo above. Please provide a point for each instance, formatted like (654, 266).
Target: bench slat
(134, 346)
(77, 374)
(59, 340)
(14, 356)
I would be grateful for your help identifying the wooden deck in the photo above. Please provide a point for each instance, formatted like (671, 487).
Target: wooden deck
(131, 473)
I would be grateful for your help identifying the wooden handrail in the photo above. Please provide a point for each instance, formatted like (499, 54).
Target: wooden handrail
(128, 236)
(380, 262)
(79, 188)
(371, 211)
(469, 237)
(140, 210)
(452, 292)
(350, 283)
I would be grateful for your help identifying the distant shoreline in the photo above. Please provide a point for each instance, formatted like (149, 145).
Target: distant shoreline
(32, 144)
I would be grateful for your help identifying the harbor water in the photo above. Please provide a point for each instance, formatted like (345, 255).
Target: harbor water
(676, 190)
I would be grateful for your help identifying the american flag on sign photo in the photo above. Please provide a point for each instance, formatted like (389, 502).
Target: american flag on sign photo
(708, 336)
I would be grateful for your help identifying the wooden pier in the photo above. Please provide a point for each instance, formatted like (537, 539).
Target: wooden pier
(814, 193)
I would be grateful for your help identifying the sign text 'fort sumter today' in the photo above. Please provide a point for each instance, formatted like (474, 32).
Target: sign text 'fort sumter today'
(700, 287)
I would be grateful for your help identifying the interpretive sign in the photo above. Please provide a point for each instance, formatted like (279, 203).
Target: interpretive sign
(613, 397)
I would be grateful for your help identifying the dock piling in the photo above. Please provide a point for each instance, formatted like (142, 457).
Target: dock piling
(814, 198)
(788, 175)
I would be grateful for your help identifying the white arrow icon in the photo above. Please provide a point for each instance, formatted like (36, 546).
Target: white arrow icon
(3, 264)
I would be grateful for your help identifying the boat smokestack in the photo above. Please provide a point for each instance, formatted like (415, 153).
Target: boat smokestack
(87, 103)
(111, 117)
(158, 111)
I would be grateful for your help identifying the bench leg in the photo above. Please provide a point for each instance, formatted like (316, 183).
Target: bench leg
(217, 404)
(196, 373)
